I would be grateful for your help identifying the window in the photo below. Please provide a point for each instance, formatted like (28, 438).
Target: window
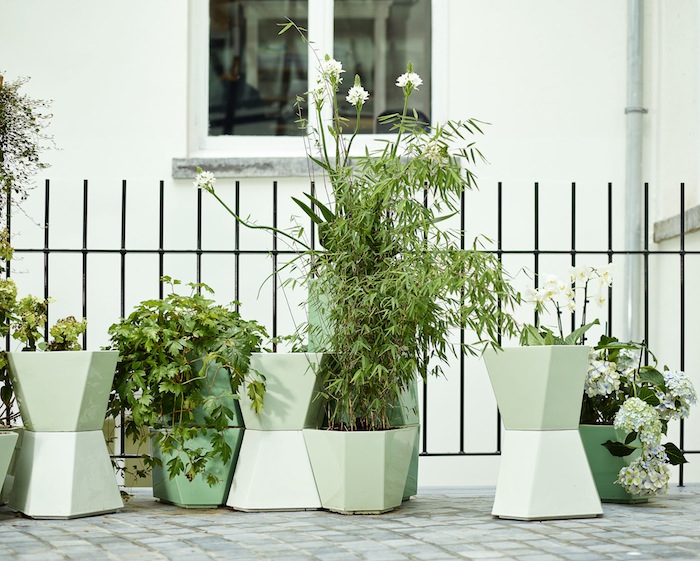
(245, 93)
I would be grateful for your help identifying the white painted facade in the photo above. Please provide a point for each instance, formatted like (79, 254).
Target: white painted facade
(548, 75)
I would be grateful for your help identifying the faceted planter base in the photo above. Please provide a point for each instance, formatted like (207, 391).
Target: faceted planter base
(197, 493)
(64, 475)
(273, 473)
(8, 441)
(362, 472)
(544, 475)
(604, 466)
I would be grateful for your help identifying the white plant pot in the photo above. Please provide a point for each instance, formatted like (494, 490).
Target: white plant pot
(544, 473)
(8, 443)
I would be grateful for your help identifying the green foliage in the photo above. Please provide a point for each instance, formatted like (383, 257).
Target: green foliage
(30, 318)
(167, 349)
(65, 333)
(22, 139)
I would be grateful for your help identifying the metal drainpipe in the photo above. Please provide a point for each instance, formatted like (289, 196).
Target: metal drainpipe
(634, 112)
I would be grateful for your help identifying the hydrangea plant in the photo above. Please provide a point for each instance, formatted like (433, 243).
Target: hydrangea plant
(640, 400)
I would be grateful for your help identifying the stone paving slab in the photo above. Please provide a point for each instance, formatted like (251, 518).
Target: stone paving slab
(437, 525)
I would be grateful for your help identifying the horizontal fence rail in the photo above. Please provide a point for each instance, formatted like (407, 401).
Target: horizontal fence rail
(574, 254)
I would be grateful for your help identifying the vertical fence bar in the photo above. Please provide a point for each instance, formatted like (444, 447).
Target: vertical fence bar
(122, 303)
(681, 443)
(499, 242)
(85, 256)
(645, 265)
(573, 247)
(161, 237)
(462, 381)
(237, 247)
(46, 251)
(199, 238)
(274, 264)
(609, 330)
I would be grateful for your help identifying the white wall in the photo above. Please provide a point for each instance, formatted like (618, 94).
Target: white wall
(549, 75)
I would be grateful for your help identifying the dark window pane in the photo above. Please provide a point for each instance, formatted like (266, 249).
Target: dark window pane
(255, 74)
(376, 39)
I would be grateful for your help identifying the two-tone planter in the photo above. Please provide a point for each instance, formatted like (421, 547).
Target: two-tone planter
(274, 471)
(544, 473)
(63, 469)
(8, 444)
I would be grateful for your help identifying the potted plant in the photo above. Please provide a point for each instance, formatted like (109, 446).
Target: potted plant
(183, 359)
(625, 414)
(62, 396)
(543, 472)
(396, 281)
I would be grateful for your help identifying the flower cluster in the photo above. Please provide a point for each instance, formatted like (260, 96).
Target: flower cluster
(680, 394)
(647, 475)
(639, 400)
(204, 180)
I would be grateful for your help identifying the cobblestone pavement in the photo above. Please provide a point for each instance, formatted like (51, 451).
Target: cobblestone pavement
(438, 524)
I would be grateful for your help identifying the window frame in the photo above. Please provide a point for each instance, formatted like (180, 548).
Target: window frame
(320, 22)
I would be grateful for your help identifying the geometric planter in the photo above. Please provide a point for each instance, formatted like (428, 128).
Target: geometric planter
(361, 472)
(606, 467)
(64, 475)
(273, 471)
(63, 469)
(196, 493)
(62, 390)
(543, 472)
(407, 415)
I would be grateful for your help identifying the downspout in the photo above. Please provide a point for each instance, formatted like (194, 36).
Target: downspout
(634, 112)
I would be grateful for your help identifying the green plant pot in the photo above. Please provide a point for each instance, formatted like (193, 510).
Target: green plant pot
(604, 466)
(8, 443)
(62, 391)
(360, 472)
(538, 388)
(197, 493)
(406, 414)
(218, 385)
(291, 399)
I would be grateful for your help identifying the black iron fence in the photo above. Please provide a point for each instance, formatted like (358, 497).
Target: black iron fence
(535, 251)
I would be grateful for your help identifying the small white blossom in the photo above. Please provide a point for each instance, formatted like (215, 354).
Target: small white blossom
(603, 378)
(205, 180)
(409, 78)
(331, 70)
(434, 151)
(581, 274)
(357, 96)
(605, 274)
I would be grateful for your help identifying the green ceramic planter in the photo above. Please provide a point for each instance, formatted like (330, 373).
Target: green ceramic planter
(361, 472)
(604, 466)
(407, 415)
(62, 391)
(218, 384)
(291, 396)
(8, 442)
(197, 493)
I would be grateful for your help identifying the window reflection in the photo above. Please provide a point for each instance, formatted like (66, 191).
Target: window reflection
(255, 74)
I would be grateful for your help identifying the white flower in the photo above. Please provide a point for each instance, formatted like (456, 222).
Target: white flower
(434, 151)
(319, 92)
(603, 378)
(357, 96)
(605, 274)
(638, 416)
(647, 475)
(409, 78)
(331, 70)
(205, 180)
(581, 274)
(675, 404)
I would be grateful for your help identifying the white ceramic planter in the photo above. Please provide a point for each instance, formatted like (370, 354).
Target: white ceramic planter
(544, 473)
(64, 475)
(274, 471)
(62, 390)
(361, 471)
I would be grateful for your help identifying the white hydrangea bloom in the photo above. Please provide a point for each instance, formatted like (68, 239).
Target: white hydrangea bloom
(638, 416)
(357, 96)
(409, 78)
(647, 475)
(205, 180)
(603, 378)
(675, 404)
(627, 362)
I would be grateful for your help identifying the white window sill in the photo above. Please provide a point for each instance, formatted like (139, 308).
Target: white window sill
(240, 168)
